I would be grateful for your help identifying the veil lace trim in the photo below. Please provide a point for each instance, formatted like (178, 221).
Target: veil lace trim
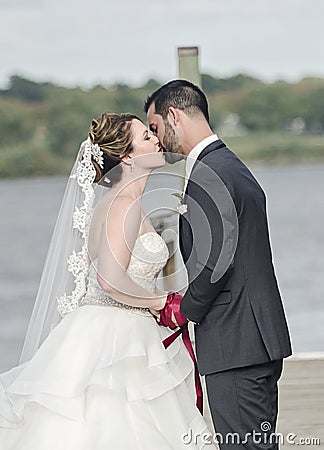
(78, 262)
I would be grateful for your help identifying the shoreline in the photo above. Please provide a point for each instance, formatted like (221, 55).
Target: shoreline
(253, 164)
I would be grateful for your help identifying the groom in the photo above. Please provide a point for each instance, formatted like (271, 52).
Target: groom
(233, 298)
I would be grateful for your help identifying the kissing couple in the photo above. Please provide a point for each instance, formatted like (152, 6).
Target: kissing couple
(100, 367)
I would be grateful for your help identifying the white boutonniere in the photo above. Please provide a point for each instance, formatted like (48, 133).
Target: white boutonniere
(182, 208)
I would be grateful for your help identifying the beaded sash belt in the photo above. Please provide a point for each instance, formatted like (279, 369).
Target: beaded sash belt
(105, 300)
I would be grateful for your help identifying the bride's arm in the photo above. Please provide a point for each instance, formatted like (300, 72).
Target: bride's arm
(118, 238)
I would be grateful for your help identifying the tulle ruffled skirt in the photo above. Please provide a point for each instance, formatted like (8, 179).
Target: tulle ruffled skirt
(102, 380)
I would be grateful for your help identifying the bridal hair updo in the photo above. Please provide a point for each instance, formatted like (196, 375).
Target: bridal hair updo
(112, 132)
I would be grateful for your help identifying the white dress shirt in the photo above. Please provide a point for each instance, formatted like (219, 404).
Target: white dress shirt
(193, 155)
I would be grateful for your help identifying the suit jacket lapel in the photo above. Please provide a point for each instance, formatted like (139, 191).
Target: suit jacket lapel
(216, 145)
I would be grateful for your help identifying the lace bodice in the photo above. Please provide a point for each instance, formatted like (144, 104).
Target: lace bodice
(149, 256)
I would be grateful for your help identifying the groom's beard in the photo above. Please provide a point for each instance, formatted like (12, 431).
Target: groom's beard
(172, 147)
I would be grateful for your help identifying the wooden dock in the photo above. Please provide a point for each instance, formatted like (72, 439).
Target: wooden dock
(301, 403)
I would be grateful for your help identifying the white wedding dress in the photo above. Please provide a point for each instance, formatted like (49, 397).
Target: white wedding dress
(102, 379)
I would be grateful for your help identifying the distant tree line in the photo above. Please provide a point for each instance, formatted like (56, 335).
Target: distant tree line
(42, 124)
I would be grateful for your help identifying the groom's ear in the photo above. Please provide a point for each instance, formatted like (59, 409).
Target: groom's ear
(173, 116)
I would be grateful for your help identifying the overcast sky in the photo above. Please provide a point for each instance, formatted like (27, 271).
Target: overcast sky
(104, 41)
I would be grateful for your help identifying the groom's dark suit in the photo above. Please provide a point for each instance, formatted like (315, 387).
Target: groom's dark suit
(241, 333)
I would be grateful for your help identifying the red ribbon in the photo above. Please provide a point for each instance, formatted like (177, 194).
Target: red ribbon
(173, 306)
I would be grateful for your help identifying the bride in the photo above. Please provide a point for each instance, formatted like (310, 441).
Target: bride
(94, 374)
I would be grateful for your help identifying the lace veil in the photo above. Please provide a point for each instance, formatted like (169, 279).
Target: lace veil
(65, 274)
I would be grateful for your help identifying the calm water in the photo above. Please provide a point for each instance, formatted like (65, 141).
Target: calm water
(296, 216)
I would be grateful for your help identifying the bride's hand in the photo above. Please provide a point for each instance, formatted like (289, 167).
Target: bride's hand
(161, 302)
(156, 314)
(157, 310)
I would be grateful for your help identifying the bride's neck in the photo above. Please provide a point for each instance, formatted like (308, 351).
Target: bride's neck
(133, 184)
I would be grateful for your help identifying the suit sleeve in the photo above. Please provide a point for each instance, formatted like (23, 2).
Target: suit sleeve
(214, 228)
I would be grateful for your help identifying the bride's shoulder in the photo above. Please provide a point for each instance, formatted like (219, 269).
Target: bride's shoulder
(118, 209)
(111, 201)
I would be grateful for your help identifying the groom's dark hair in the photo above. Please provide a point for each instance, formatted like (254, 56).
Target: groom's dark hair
(180, 94)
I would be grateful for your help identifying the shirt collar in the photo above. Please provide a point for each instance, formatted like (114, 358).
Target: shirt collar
(195, 152)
